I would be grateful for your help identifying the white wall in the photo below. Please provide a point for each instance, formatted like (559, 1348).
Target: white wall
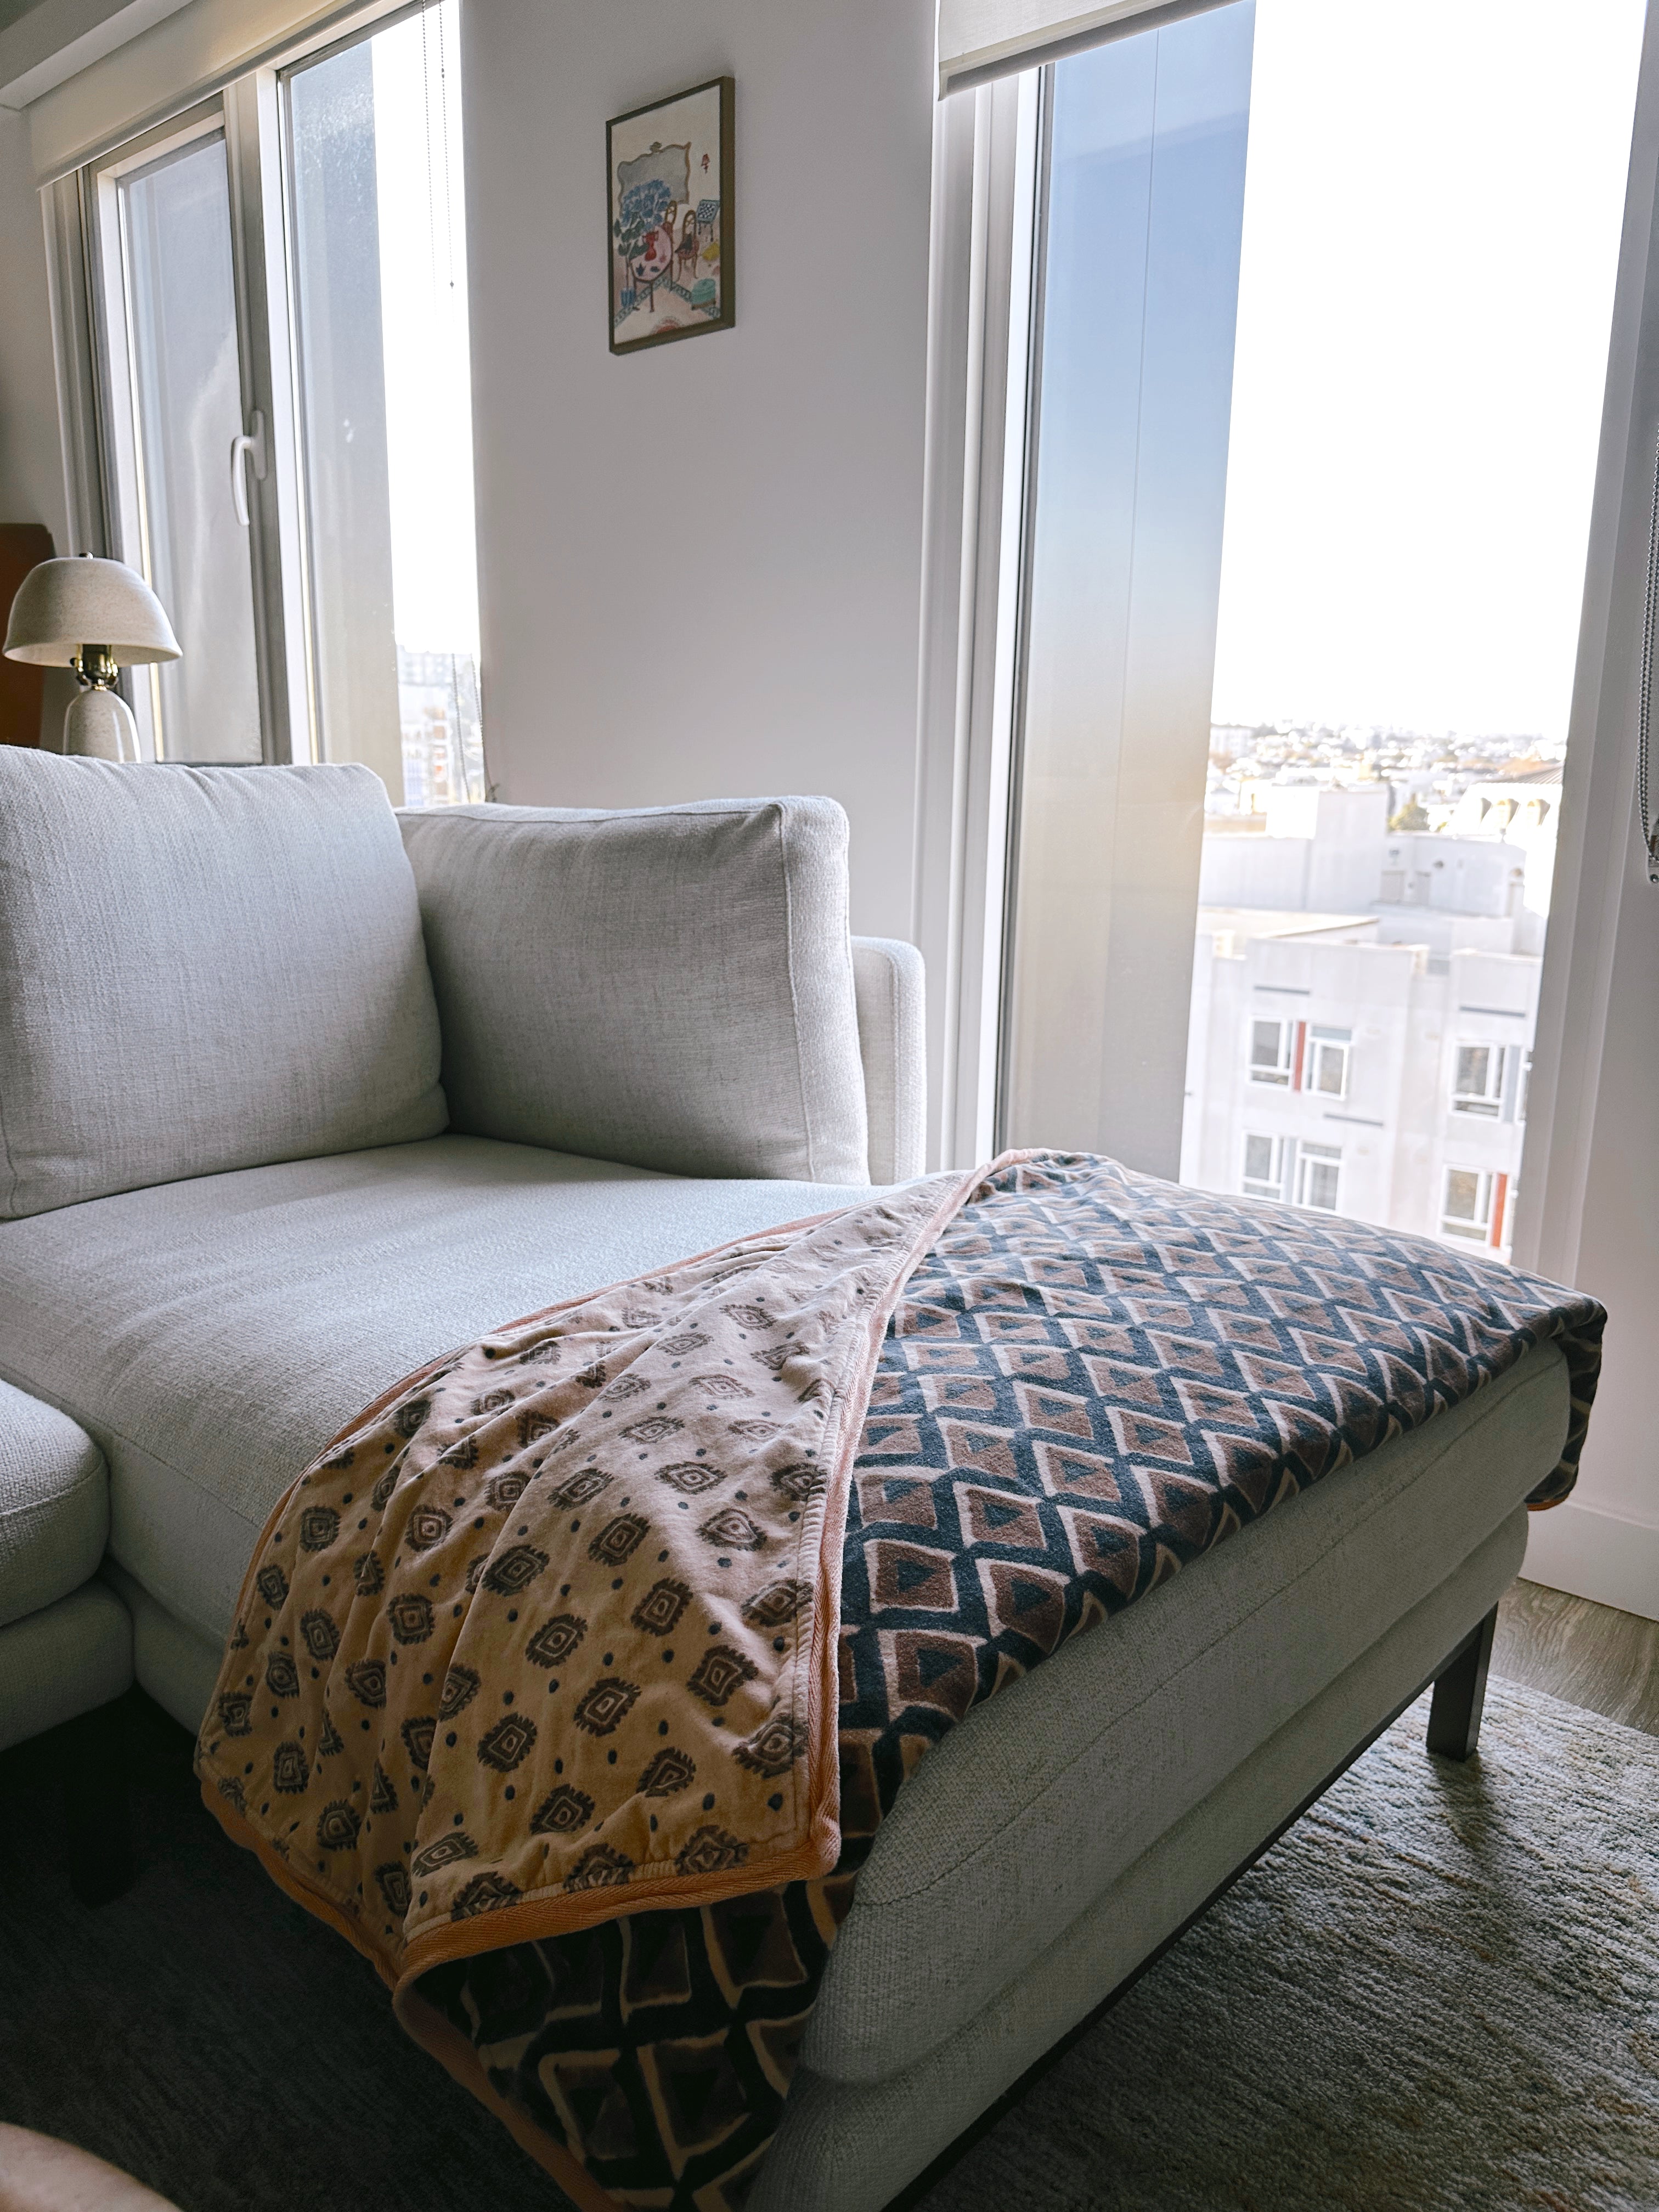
(700, 565)
(1247, 868)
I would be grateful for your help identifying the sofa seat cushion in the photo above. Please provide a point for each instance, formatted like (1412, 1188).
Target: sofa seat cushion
(202, 968)
(213, 1335)
(1043, 1796)
(54, 1505)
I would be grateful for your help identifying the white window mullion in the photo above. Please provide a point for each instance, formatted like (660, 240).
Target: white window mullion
(254, 137)
(985, 180)
(1597, 868)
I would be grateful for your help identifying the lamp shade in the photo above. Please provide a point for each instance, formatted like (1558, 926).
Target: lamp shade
(62, 605)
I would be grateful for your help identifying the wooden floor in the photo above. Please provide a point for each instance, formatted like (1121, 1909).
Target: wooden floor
(1585, 1654)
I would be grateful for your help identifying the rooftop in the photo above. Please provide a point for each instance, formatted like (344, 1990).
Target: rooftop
(1242, 921)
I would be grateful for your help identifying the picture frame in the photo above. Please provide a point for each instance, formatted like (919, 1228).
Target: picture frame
(670, 219)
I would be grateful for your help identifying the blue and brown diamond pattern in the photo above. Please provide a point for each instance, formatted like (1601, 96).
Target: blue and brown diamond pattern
(1090, 1380)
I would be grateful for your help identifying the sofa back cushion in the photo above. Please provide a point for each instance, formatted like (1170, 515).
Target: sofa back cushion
(202, 968)
(671, 986)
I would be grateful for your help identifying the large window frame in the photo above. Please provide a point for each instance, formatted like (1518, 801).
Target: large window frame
(984, 321)
(99, 444)
(109, 256)
(95, 397)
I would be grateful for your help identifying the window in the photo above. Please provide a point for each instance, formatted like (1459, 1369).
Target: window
(280, 360)
(1195, 761)
(1478, 1083)
(1272, 1044)
(1327, 1061)
(1474, 1205)
(377, 231)
(1318, 1176)
(1524, 1086)
(172, 406)
(1264, 1167)
(1298, 1057)
(1283, 1169)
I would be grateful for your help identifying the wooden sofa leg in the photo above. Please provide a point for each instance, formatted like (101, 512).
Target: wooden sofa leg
(1460, 1692)
(92, 1765)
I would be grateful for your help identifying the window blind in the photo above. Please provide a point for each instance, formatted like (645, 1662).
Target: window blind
(979, 39)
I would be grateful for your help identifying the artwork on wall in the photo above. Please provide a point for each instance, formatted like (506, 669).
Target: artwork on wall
(668, 171)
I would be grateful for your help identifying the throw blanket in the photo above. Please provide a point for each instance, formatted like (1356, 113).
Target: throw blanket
(540, 1674)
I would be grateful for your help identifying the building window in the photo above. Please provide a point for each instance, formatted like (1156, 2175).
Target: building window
(1524, 1087)
(1264, 1167)
(1272, 1056)
(1478, 1084)
(1475, 1204)
(1327, 1061)
(1318, 1176)
(1294, 1056)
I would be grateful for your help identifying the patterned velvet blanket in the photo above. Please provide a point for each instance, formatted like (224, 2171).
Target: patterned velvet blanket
(572, 1682)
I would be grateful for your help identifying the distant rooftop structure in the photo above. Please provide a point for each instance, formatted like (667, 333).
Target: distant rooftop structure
(1528, 769)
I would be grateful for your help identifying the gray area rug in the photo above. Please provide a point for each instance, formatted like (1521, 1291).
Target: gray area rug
(1441, 1990)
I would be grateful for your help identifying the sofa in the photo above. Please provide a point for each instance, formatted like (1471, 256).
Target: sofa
(296, 1095)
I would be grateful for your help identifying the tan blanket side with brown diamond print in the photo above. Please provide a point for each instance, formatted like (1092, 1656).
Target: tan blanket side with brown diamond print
(549, 1633)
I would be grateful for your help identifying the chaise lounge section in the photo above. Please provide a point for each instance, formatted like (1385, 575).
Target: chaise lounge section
(294, 1103)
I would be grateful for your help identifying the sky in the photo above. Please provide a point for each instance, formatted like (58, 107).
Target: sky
(1433, 198)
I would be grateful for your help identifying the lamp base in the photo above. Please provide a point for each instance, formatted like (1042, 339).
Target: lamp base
(100, 724)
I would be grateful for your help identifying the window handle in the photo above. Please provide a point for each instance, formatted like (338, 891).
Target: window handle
(249, 447)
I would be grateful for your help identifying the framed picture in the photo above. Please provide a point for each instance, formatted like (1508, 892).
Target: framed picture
(668, 187)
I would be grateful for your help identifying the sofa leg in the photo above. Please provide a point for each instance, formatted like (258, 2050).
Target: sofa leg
(93, 1767)
(1460, 1692)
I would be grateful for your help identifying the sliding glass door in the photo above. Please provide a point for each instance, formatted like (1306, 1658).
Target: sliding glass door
(1324, 297)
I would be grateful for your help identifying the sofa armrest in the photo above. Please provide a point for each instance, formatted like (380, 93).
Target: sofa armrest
(889, 982)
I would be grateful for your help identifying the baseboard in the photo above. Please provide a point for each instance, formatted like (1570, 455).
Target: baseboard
(1580, 1549)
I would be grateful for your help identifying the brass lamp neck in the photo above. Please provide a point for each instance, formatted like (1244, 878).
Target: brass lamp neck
(94, 668)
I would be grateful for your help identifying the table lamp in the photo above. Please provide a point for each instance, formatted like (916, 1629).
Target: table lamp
(61, 608)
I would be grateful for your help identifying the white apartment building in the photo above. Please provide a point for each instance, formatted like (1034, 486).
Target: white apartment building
(442, 729)
(1369, 1055)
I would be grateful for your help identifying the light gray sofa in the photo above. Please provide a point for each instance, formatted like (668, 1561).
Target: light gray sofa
(65, 1642)
(291, 1104)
